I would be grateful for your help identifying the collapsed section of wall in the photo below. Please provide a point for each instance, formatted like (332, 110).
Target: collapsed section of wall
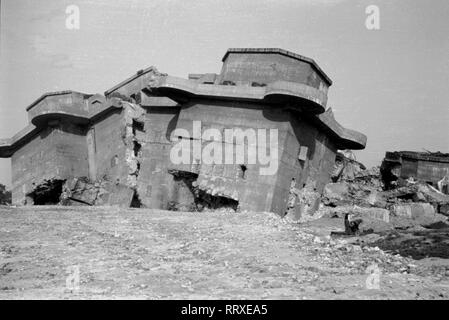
(191, 195)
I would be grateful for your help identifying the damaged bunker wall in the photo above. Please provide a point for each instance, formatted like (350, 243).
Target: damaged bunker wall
(309, 158)
(56, 152)
(399, 166)
(240, 182)
(154, 183)
(118, 144)
(252, 190)
(63, 150)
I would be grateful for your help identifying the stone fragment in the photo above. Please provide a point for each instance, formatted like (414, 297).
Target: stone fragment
(337, 191)
(413, 210)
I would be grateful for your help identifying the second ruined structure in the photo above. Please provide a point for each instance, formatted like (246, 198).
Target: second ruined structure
(115, 148)
(429, 167)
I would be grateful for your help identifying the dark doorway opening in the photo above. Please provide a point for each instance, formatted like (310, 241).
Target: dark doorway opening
(47, 193)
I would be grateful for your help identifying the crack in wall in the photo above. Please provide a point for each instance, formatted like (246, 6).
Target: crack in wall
(134, 116)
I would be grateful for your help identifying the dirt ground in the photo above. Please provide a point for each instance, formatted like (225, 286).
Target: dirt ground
(153, 254)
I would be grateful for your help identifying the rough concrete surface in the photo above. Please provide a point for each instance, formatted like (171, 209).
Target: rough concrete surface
(154, 254)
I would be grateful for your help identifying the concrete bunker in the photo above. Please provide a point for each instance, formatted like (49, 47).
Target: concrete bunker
(118, 151)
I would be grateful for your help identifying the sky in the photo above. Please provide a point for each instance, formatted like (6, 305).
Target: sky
(391, 84)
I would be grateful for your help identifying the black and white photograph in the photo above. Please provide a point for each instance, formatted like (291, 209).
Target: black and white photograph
(247, 151)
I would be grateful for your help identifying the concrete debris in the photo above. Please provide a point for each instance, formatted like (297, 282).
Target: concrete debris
(195, 194)
(303, 204)
(82, 191)
(443, 184)
(335, 194)
(133, 138)
(373, 202)
(444, 209)
(399, 167)
(370, 177)
(346, 166)
(413, 210)
(358, 193)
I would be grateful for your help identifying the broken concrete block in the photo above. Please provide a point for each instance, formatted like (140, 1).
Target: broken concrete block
(444, 209)
(371, 220)
(346, 167)
(376, 199)
(114, 194)
(413, 210)
(443, 184)
(371, 213)
(431, 194)
(308, 204)
(402, 222)
(419, 197)
(372, 225)
(82, 191)
(336, 191)
(335, 194)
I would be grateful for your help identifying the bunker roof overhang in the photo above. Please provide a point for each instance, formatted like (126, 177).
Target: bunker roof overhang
(72, 106)
(306, 93)
(9, 146)
(275, 93)
(304, 97)
(344, 138)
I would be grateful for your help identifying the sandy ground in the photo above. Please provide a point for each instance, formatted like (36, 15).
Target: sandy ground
(152, 254)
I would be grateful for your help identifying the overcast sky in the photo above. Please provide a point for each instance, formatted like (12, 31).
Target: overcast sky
(391, 84)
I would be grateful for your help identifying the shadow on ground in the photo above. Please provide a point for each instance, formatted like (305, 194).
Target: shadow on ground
(418, 244)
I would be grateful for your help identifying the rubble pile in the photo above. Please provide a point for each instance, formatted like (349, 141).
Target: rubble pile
(401, 167)
(360, 194)
(81, 191)
(196, 194)
(350, 255)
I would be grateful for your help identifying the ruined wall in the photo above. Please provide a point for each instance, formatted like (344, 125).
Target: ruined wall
(110, 147)
(119, 139)
(56, 152)
(321, 152)
(309, 172)
(131, 147)
(252, 190)
(154, 181)
(431, 171)
(409, 168)
(399, 166)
